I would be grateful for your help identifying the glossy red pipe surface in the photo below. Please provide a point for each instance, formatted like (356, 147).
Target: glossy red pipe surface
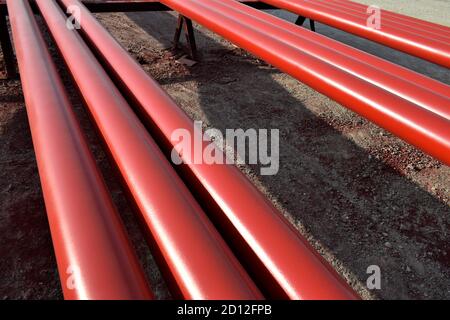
(418, 126)
(386, 20)
(381, 64)
(345, 57)
(94, 255)
(199, 262)
(417, 23)
(282, 261)
(419, 45)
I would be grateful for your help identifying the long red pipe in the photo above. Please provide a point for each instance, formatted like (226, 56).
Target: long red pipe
(381, 64)
(353, 61)
(94, 255)
(409, 42)
(434, 27)
(418, 126)
(200, 263)
(386, 20)
(295, 271)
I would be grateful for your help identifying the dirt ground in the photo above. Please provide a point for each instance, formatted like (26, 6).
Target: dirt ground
(361, 196)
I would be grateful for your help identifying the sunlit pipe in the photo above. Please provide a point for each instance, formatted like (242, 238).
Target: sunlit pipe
(354, 61)
(428, 49)
(399, 71)
(419, 23)
(385, 20)
(413, 124)
(408, 30)
(282, 261)
(362, 18)
(94, 255)
(200, 263)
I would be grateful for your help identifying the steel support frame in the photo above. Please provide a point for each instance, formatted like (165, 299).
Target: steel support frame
(151, 5)
(301, 20)
(116, 6)
(186, 25)
(137, 6)
(6, 45)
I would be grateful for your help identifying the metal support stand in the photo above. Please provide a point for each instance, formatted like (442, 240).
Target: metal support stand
(186, 25)
(5, 41)
(301, 20)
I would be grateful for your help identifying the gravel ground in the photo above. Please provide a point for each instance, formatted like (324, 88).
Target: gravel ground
(360, 195)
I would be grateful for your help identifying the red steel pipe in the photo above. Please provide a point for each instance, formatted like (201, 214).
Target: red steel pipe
(286, 265)
(381, 64)
(445, 30)
(363, 15)
(94, 255)
(353, 61)
(418, 126)
(200, 263)
(435, 51)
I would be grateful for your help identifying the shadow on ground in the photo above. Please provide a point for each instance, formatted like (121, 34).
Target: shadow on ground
(27, 264)
(356, 209)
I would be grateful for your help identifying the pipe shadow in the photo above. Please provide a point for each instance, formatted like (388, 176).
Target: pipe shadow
(27, 264)
(354, 208)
